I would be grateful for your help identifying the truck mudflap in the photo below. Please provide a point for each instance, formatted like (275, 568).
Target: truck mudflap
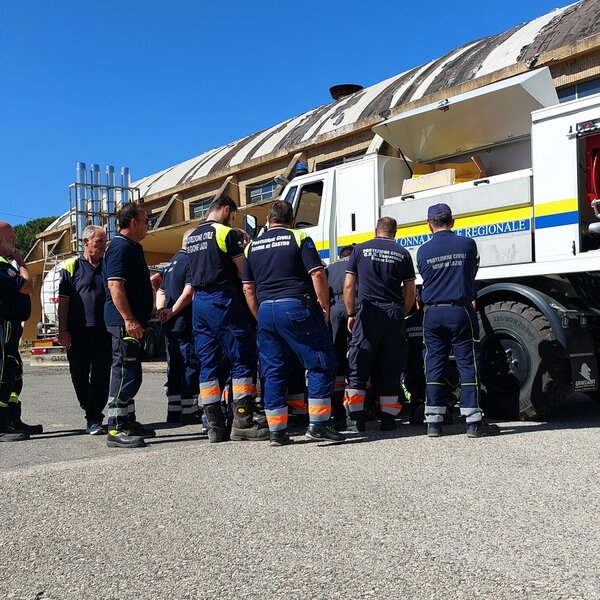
(584, 369)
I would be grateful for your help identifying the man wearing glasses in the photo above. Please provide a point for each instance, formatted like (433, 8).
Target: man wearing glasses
(127, 310)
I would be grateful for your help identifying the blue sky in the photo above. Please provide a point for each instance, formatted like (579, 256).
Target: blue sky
(150, 84)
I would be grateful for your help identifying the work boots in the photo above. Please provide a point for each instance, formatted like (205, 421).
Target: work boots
(7, 433)
(215, 421)
(243, 427)
(14, 418)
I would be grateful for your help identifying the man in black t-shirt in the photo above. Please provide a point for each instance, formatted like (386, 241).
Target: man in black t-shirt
(221, 323)
(286, 290)
(81, 329)
(386, 277)
(15, 307)
(174, 305)
(127, 310)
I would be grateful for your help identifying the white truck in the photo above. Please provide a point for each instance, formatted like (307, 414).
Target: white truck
(521, 173)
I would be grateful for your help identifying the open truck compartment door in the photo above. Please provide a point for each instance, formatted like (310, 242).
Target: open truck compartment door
(491, 115)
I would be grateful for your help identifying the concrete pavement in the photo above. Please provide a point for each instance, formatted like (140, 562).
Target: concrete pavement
(381, 516)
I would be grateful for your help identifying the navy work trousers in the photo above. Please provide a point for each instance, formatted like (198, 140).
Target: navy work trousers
(451, 329)
(183, 373)
(126, 378)
(11, 366)
(90, 357)
(221, 326)
(287, 327)
(377, 350)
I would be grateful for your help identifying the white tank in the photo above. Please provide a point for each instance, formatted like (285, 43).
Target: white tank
(49, 295)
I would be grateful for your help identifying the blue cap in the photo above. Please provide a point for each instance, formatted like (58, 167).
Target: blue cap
(438, 209)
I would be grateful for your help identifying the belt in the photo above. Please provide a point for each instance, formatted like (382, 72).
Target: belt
(449, 303)
(283, 300)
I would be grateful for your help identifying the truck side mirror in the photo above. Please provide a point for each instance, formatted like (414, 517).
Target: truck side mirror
(250, 226)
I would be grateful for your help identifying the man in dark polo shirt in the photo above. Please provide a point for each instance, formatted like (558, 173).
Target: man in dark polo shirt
(386, 291)
(221, 324)
(174, 305)
(448, 264)
(127, 310)
(81, 298)
(286, 290)
(15, 307)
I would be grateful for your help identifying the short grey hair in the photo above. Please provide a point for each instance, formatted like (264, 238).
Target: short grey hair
(90, 231)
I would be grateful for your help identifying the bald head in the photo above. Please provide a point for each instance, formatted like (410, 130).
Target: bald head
(7, 238)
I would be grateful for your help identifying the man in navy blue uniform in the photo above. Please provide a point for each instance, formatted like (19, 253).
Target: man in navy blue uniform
(336, 273)
(448, 264)
(15, 307)
(221, 323)
(81, 329)
(386, 276)
(128, 308)
(174, 305)
(286, 290)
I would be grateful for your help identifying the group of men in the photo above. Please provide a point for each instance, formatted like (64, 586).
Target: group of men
(228, 304)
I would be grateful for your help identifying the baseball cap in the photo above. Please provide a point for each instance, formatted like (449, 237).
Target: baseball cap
(436, 209)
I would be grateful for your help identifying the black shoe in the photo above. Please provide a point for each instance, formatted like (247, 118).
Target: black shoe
(280, 438)
(323, 431)
(13, 436)
(482, 429)
(14, 418)
(123, 439)
(360, 420)
(434, 430)
(388, 422)
(136, 429)
(244, 428)
(215, 420)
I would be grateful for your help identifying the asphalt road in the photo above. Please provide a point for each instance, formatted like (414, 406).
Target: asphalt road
(380, 516)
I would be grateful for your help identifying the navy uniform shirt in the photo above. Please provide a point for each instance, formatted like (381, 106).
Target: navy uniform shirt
(175, 277)
(280, 262)
(448, 264)
(124, 260)
(211, 248)
(381, 266)
(336, 274)
(14, 306)
(82, 283)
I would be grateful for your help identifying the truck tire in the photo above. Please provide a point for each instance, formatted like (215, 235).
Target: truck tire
(150, 345)
(522, 375)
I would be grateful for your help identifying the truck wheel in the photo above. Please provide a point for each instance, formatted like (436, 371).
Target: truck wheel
(150, 344)
(522, 375)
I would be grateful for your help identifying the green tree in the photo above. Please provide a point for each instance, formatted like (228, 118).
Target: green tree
(25, 234)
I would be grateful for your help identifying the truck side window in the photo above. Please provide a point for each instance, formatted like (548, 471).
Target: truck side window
(289, 197)
(309, 205)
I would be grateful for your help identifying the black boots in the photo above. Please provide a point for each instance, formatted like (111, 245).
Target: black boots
(482, 429)
(7, 433)
(14, 418)
(243, 427)
(215, 420)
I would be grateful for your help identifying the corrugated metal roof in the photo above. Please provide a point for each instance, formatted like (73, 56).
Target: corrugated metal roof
(558, 28)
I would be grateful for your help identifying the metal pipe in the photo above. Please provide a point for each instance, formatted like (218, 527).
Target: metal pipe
(110, 202)
(125, 184)
(95, 205)
(80, 202)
